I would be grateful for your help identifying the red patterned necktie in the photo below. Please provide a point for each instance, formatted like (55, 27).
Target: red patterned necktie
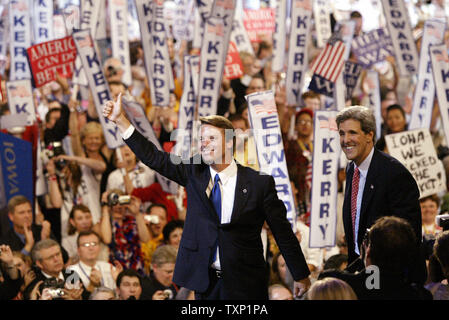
(354, 192)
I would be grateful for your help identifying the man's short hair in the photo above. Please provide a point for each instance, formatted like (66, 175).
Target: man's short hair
(164, 254)
(85, 234)
(157, 205)
(17, 201)
(392, 242)
(433, 198)
(355, 14)
(77, 207)
(396, 107)
(43, 244)
(128, 273)
(361, 114)
(310, 95)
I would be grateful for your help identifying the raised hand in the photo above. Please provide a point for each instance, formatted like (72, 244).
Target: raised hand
(113, 109)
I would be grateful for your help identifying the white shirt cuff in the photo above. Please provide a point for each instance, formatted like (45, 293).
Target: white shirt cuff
(128, 132)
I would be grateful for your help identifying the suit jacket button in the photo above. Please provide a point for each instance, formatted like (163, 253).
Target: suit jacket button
(244, 190)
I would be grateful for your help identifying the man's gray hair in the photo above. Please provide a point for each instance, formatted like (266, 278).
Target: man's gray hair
(361, 114)
(99, 290)
(43, 244)
(164, 254)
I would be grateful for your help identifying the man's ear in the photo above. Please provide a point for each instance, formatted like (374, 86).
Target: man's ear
(39, 264)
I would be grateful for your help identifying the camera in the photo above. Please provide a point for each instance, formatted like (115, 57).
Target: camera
(151, 218)
(168, 294)
(114, 199)
(55, 286)
(55, 149)
(442, 221)
(56, 292)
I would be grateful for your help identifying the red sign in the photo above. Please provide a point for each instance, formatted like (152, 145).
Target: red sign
(233, 68)
(50, 58)
(259, 23)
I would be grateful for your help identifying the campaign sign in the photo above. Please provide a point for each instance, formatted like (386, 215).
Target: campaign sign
(415, 150)
(270, 149)
(233, 68)
(326, 153)
(259, 23)
(51, 58)
(16, 174)
(372, 47)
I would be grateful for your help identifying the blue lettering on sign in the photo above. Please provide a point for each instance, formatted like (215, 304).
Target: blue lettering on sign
(325, 188)
(22, 109)
(270, 122)
(327, 145)
(324, 210)
(273, 155)
(271, 139)
(213, 47)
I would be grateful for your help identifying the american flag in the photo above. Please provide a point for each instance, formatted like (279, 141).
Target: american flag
(18, 91)
(329, 63)
(85, 41)
(264, 106)
(328, 123)
(441, 55)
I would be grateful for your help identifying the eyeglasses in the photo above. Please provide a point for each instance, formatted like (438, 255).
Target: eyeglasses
(89, 244)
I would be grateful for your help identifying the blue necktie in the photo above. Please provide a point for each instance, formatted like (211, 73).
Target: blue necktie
(215, 197)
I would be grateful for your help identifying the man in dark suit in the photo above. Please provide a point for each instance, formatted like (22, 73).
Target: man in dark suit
(221, 253)
(376, 184)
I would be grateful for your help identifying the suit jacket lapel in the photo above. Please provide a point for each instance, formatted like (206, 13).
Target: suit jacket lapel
(241, 193)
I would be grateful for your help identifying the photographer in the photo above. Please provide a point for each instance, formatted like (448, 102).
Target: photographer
(10, 286)
(123, 228)
(159, 285)
(50, 273)
(71, 181)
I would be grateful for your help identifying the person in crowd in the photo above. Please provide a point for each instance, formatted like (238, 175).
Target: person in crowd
(12, 278)
(279, 291)
(388, 254)
(90, 143)
(331, 289)
(50, 273)
(337, 261)
(129, 285)
(298, 154)
(240, 85)
(24, 264)
(376, 185)
(124, 230)
(312, 100)
(80, 220)
(155, 219)
(245, 149)
(56, 122)
(103, 293)
(130, 173)
(173, 232)
(395, 123)
(94, 273)
(220, 272)
(440, 289)
(357, 17)
(159, 285)
(429, 210)
(388, 97)
(71, 183)
(113, 69)
(24, 233)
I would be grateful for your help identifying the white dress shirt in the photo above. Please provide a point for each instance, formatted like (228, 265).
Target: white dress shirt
(228, 182)
(363, 169)
(83, 270)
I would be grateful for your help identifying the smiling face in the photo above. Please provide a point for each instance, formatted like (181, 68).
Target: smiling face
(93, 141)
(212, 144)
(396, 121)
(355, 143)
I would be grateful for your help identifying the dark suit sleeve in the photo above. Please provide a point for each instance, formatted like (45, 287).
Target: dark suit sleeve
(168, 165)
(9, 288)
(403, 197)
(285, 238)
